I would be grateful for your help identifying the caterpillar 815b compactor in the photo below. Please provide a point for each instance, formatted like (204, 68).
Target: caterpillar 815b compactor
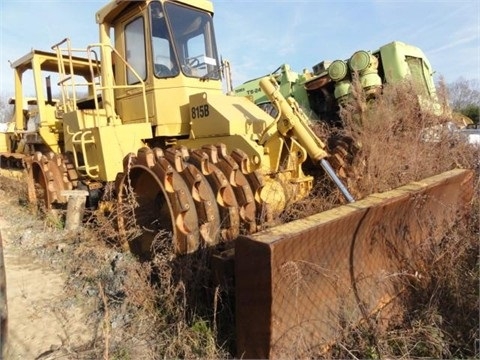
(144, 110)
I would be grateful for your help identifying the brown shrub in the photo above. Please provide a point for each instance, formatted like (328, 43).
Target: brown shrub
(168, 308)
(397, 144)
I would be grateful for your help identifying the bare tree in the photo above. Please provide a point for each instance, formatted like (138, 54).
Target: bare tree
(464, 96)
(6, 110)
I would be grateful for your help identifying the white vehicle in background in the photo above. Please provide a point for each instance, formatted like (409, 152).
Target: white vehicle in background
(472, 132)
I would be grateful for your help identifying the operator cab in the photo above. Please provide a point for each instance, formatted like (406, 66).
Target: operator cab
(170, 47)
(190, 47)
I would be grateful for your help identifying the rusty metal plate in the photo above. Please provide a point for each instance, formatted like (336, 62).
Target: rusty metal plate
(302, 285)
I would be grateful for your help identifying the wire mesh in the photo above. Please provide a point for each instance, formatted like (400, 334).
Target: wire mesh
(302, 286)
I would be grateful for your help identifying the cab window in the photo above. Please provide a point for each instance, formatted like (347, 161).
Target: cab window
(164, 63)
(135, 51)
(194, 42)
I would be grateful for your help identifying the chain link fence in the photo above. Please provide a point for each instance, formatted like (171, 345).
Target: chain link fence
(302, 286)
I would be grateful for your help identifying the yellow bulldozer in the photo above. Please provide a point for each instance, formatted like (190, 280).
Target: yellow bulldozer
(144, 110)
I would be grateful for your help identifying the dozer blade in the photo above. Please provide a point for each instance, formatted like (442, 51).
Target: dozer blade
(301, 285)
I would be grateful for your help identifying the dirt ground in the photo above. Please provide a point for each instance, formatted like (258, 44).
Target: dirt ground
(43, 320)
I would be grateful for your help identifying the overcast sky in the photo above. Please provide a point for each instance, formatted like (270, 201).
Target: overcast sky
(259, 35)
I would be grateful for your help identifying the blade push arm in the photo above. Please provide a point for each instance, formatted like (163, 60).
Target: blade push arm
(291, 122)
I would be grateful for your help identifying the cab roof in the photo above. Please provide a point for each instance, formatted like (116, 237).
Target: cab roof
(115, 7)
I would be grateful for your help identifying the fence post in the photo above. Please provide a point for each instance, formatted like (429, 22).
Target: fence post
(75, 207)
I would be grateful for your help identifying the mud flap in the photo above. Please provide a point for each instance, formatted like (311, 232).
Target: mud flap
(300, 286)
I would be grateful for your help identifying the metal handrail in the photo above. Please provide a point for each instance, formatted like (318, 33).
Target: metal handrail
(94, 64)
(139, 85)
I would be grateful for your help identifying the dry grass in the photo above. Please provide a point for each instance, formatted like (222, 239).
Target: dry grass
(398, 143)
(437, 316)
(166, 308)
(168, 302)
(395, 144)
(169, 307)
(390, 143)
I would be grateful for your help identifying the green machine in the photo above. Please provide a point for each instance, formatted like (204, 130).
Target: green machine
(329, 84)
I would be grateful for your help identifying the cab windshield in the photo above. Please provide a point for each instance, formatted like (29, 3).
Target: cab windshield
(164, 61)
(193, 41)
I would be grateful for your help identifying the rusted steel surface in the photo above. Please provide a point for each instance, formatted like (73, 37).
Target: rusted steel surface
(302, 285)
